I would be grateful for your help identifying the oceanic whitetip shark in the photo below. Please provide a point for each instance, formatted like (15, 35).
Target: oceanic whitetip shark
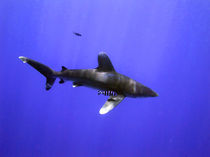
(103, 78)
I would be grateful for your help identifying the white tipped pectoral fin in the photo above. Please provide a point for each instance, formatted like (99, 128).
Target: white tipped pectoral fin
(106, 109)
(111, 103)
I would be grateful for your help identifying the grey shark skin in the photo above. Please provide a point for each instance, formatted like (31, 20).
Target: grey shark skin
(104, 77)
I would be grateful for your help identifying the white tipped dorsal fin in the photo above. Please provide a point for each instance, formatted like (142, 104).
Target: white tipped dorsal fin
(104, 63)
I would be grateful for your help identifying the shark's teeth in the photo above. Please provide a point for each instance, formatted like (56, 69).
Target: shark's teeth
(24, 59)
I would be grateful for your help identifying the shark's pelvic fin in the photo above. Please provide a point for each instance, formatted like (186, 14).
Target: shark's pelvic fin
(111, 103)
(104, 63)
(76, 84)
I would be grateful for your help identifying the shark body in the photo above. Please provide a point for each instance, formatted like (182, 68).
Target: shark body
(104, 78)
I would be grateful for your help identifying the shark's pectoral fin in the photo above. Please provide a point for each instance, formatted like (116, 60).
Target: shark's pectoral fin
(104, 63)
(76, 84)
(112, 102)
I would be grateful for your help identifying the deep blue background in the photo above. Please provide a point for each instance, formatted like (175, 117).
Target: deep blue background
(160, 43)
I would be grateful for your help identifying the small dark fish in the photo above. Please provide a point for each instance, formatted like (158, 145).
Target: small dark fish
(77, 34)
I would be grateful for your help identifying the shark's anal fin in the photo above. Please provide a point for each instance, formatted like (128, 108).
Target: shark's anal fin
(104, 63)
(61, 81)
(76, 84)
(111, 103)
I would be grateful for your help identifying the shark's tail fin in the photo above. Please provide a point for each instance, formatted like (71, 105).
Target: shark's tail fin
(43, 69)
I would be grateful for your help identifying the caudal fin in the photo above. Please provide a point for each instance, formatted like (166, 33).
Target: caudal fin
(43, 69)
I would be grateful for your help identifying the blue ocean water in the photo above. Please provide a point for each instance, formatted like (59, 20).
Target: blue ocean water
(162, 44)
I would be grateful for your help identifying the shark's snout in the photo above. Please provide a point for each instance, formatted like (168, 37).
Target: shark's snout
(154, 94)
(149, 92)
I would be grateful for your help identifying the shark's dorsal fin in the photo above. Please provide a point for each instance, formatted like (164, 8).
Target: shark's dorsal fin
(63, 68)
(104, 63)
